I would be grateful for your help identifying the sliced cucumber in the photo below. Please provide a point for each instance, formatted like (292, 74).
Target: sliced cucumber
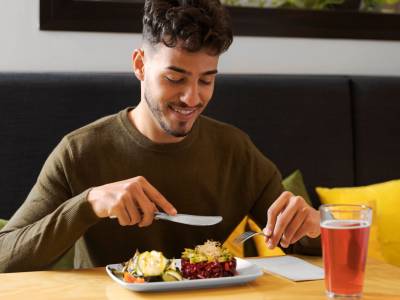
(151, 263)
(171, 275)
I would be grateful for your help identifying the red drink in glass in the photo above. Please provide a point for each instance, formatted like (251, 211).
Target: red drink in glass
(344, 235)
(345, 246)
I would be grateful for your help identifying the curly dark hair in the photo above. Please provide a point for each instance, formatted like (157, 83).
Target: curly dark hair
(194, 24)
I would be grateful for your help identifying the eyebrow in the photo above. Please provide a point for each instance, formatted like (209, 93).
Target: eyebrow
(183, 71)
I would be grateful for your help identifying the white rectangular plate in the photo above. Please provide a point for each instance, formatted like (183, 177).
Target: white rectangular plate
(246, 272)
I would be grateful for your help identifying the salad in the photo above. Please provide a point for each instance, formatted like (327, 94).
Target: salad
(209, 260)
(150, 266)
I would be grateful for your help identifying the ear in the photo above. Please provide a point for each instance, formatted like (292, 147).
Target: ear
(138, 63)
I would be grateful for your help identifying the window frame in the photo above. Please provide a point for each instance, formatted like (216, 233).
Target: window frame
(108, 16)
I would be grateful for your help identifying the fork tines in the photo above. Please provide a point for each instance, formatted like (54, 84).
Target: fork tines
(245, 236)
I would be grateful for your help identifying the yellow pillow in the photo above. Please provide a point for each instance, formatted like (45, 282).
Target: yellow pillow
(237, 250)
(262, 249)
(384, 198)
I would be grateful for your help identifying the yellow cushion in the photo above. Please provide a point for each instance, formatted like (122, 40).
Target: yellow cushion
(236, 249)
(262, 249)
(384, 198)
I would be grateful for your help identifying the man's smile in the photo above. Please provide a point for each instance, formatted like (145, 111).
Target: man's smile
(184, 113)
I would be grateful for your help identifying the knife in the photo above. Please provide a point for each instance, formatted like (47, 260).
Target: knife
(194, 220)
(189, 219)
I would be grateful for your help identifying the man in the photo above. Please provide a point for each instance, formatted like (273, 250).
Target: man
(101, 185)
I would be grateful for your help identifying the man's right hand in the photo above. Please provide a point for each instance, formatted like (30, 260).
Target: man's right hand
(132, 201)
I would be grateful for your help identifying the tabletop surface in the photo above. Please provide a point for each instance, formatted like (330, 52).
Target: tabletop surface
(382, 282)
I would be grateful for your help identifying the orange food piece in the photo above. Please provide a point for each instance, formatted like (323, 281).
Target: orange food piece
(132, 279)
(139, 280)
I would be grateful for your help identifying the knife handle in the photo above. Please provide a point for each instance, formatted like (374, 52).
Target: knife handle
(157, 216)
(161, 216)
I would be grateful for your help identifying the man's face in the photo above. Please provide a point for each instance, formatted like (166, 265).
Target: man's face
(177, 86)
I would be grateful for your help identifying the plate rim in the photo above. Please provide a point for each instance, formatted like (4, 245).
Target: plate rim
(189, 284)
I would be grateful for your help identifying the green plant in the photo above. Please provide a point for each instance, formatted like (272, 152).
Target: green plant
(302, 4)
(306, 4)
(374, 5)
(246, 3)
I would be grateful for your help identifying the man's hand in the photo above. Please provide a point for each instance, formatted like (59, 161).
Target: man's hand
(132, 201)
(289, 219)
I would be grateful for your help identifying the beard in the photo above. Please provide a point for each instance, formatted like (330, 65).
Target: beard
(181, 129)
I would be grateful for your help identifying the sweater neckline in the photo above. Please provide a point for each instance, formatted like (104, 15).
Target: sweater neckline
(145, 142)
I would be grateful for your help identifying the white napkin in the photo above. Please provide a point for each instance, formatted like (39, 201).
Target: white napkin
(291, 267)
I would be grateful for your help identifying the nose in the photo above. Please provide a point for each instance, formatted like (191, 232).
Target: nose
(191, 96)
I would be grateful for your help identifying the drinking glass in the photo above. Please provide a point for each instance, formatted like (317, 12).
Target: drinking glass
(344, 234)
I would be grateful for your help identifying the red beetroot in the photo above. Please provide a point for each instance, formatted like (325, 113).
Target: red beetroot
(211, 269)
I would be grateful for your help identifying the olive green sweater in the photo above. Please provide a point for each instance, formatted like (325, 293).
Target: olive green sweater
(215, 170)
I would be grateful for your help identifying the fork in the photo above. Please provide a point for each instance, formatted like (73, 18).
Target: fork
(247, 235)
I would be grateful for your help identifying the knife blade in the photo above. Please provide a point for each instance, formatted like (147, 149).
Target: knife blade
(189, 219)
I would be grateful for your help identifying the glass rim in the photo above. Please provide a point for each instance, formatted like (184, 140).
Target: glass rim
(360, 206)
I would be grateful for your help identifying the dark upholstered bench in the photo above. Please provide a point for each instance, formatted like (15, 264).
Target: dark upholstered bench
(338, 130)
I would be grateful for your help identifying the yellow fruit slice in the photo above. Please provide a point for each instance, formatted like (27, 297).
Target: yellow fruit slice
(171, 275)
(152, 263)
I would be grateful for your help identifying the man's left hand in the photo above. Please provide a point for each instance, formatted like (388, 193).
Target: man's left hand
(289, 219)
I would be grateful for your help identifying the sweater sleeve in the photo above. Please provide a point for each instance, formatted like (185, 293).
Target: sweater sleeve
(50, 220)
(269, 182)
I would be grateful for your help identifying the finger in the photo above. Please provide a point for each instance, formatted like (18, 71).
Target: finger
(120, 212)
(293, 227)
(300, 233)
(146, 206)
(274, 211)
(310, 226)
(284, 219)
(133, 211)
(155, 196)
(268, 238)
(313, 221)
